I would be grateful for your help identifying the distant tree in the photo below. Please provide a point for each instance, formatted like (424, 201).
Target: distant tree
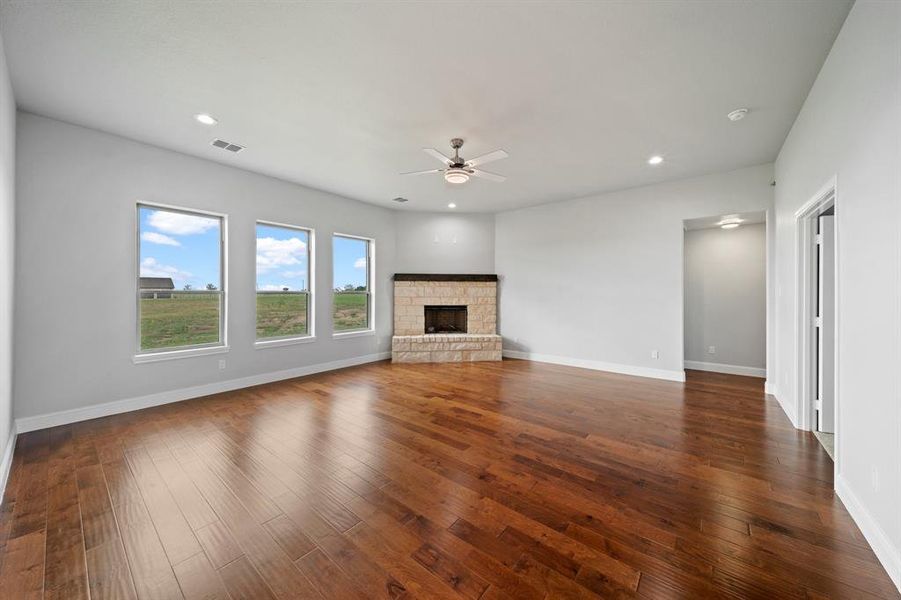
(349, 287)
(211, 287)
(188, 287)
(284, 289)
(360, 288)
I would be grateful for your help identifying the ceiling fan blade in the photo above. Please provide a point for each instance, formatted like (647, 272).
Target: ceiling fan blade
(438, 155)
(488, 175)
(423, 172)
(487, 158)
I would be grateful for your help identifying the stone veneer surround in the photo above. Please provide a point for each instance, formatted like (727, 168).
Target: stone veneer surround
(412, 293)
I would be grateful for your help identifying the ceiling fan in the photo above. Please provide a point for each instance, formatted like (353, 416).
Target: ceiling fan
(457, 169)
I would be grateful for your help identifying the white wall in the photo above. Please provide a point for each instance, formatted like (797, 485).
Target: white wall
(7, 252)
(598, 281)
(725, 298)
(850, 129)
(445, 243)
(75, 260)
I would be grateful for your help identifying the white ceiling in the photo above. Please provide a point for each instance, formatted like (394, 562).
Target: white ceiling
(343, 96)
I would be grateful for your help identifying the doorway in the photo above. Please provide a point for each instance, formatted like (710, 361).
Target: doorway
(725, 294)
(817, 325)
(824, 363)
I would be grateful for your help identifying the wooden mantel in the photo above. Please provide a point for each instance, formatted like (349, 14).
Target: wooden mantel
(444, 277)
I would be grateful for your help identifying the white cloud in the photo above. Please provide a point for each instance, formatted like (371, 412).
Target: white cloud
(273, 253)
(269, 287)
(180, 223)
(293, 274)
(360, 263)
(158, 238)
(150, 267)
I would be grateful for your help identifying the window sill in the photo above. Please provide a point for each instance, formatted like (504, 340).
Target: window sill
(176, 354)
(353, 334)
(263, 344)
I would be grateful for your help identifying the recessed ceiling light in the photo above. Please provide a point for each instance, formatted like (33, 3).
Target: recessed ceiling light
(205, 119)
(655, 160)
(738, 114)
(730, 225)
(452, 205)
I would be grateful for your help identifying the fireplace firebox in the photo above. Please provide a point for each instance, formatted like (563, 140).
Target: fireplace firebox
(445, 319)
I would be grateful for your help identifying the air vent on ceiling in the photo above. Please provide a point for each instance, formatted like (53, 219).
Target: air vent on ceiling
(227, 145)
(399, 199)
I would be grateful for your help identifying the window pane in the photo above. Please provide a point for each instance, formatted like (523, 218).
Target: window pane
(283, 278)
(180, 278)
(351, 311)
(281, 314)
(351, 281)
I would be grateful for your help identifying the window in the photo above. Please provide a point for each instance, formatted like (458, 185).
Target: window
(181, 300)
(284, 309)
(351, 261)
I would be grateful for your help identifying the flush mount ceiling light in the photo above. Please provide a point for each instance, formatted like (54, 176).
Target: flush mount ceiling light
(655, 160)
(456, 176)
(738, 114)
(730, 222)
(452, 205)
(205, 119)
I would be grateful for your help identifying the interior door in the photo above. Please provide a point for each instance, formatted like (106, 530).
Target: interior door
(826, 325)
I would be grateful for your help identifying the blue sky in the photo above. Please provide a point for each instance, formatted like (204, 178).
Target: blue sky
(186, 248)
(349, 260)
(181, 246)
(282, 258)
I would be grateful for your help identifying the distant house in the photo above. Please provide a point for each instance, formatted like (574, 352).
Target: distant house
(156, 287)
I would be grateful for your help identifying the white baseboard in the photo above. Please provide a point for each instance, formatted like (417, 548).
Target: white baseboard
(769, 388)
(789, 409)
(7, 463)
(598, 365)
(75, 415)
(728, 369)
(886, 552)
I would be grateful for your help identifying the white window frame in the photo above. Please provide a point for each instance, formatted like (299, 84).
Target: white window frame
(287, 340)
(370, 288)
(175, 352)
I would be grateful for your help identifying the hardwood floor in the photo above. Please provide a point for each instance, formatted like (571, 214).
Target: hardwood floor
(487, 480)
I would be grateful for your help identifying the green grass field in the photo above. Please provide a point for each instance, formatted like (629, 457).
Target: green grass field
(192, 319)
(281, 315)
(350, 311)
(183, 320)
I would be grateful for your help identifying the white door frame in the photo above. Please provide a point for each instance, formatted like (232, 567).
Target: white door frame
(806, 295)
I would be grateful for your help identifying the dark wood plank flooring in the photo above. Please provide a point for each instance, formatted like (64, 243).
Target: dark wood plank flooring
(489, 480)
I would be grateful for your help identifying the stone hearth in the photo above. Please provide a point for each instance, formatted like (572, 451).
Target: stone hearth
(413, 293)
(443, 347)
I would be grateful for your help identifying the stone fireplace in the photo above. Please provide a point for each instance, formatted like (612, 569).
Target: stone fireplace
(445, 318)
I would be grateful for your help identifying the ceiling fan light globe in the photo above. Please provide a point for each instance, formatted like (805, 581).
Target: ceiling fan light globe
(456, 176)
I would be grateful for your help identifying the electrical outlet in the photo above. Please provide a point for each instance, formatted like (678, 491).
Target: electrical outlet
(222, 364)
(655, 354)
(711, 349)
(874, 477)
